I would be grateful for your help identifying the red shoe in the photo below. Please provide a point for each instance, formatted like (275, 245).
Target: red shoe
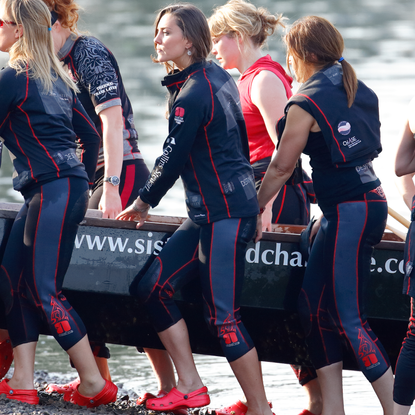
(143, 399)
(305, 412)
(238, 408)
(175, 400)
(22, 395)
(107, 395)
(6, 357)
(69, 387)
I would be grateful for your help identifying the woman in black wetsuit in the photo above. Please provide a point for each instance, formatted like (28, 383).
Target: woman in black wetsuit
(40, 119)
(334, 118)
(207, 146)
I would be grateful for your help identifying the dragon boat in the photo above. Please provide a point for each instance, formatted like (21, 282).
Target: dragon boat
(108, 255)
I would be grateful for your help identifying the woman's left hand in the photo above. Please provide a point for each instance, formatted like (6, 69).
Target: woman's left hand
(138, 214)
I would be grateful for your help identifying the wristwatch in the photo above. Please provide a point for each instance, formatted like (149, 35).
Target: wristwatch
(114, 180)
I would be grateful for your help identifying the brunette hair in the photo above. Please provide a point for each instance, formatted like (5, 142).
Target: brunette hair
(33, 53)
(239, 17)
(67, 11)
(193, 24)
(314, 40)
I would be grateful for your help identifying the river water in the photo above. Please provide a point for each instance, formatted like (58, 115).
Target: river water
(379, 37)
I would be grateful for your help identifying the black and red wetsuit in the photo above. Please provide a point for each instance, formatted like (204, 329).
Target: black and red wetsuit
(39, 128)
(331, 304)
(97, 75)
(207, 146)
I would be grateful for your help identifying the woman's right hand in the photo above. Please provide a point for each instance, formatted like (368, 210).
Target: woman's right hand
(137, 212)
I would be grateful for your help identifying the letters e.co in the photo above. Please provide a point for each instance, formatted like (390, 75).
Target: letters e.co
(392, 266)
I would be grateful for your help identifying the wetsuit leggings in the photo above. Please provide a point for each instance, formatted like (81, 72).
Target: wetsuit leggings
(35, 261)
(331, 303)
(404, 387)
(217, 251)
(133, 177)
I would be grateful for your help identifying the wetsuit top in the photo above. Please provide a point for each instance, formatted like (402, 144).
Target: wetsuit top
(352, 134)
(96, 73)
(260, 143)
(331, 184)
(207, 145)
(38, 129)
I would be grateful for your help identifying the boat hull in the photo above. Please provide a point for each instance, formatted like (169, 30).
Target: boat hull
(108, 254)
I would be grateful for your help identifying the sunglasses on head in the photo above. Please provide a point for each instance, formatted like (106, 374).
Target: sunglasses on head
(2, 22)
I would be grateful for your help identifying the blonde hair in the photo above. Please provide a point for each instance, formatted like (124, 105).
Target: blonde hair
(315, 41)
(192, 22)
(67, 11)
(33, 53)
(238, 17)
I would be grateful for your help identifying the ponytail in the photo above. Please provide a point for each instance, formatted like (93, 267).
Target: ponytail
(349, 81)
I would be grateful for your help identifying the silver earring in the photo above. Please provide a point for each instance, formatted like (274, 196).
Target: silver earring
(189, 52)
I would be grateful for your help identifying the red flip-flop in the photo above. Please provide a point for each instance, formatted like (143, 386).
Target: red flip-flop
(6, 357)
(22, 395)
(106, 396)
(177, 400)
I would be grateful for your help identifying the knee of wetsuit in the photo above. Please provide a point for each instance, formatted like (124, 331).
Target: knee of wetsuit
(192, 292)
(304, 312)
(146, 287)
